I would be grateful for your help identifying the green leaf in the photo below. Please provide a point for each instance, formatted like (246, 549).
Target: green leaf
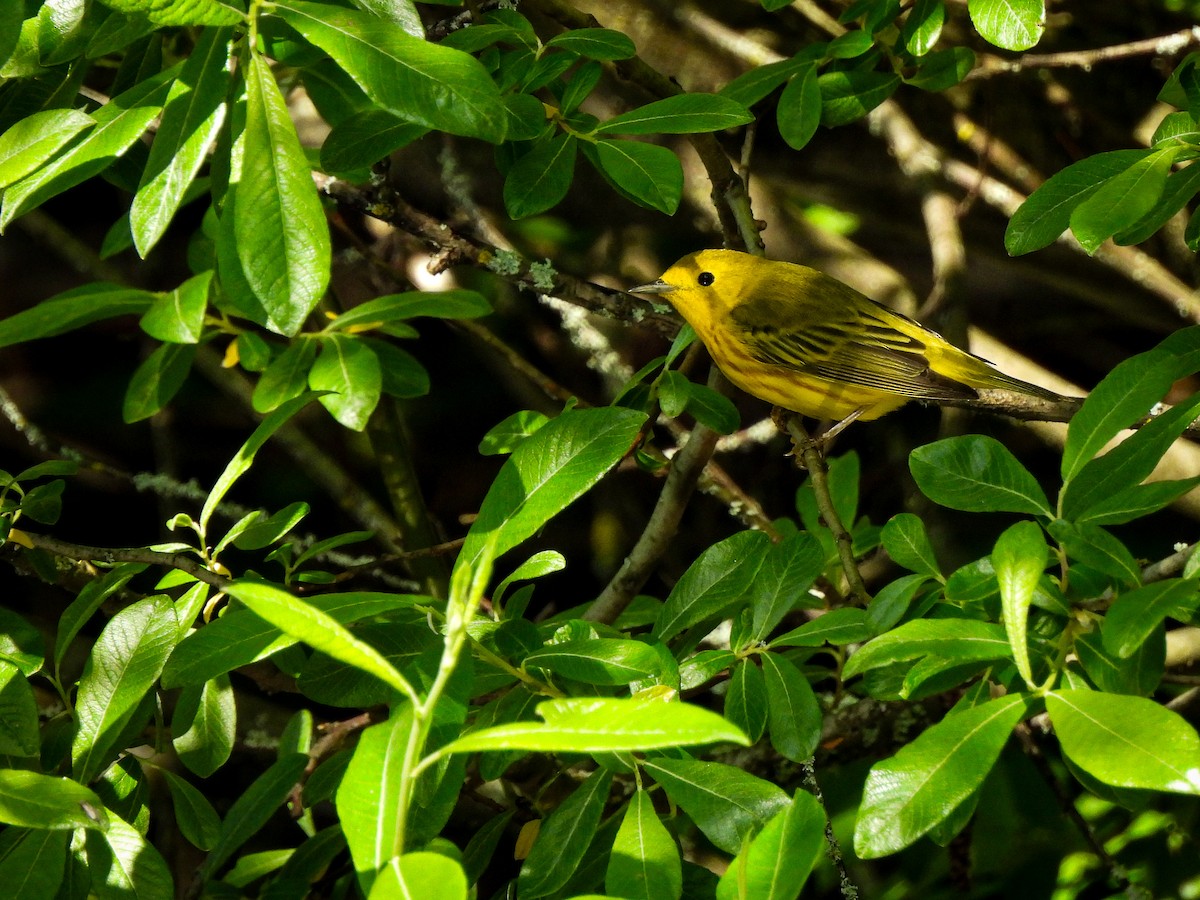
(369, 804)
(942, 69)
(33, 141)
(253, 807)
(285, 378)
(794, 713)
(587, 725)
(1019, 559)
(1125, 395)
(119, 125)
(646, 174)
(1127, 464)
(564, 837)
(482, 845)
(1180, 188)
(421, 874)
(645, 863)
(195, 816)
(510, 432)
(976, 473)
(264, 532)
(1128, 742)
(364, 138)
(122, 863)
(157, 380)
(1182, 89)
(86, 603)
(890, 604)
(191, 119)
(549, 470)
(714, 584)
(120, 672)
(911, 793)
(453, 304)
(73, 309)
(603, 661)
(408, 648)
(595, 43)
(726, 803)
(755, 84)
(318, 629)
(244, 458)
(1123, 199)
(1136, 614)
(32, 862)
(849, 95)
(907, 543)
(31, 800)
(673, 393)
(439, 87)
(1139, 674)
(1046, 214)
(43, 503)
(681, 114)
(21, 643)
(777, 862)
(850, 44)
(19, 734)
(1095, 547)
(711, 409)
(1138, 501)
(178, 316)
(203, 725)
(746, 699)
(541, 178)
(781, 584)
(838, 627)
(799, 110)
(923, 26)
(181, 12)
(479, 37)
(966, 640)
(349, 371)
(240, 637)
(400, 373)
(250, 867)
(1009, 24)
(280, 229)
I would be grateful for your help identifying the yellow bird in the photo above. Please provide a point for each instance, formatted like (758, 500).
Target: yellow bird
(804, 341)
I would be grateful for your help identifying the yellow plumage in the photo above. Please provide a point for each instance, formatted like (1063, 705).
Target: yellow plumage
(804, 341)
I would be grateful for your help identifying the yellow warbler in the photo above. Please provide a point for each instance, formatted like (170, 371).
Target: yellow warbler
(804, 341)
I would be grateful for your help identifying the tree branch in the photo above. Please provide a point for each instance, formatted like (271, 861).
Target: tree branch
(1164, 45)
(110, 555)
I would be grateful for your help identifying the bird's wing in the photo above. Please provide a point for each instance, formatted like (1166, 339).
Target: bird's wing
(848, 339)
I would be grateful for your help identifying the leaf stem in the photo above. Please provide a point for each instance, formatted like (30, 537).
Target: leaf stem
(809, 453)
(467, 585)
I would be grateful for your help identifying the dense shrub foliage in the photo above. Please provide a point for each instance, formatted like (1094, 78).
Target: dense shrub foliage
(965, 664)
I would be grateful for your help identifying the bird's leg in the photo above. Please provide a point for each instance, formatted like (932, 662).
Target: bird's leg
(830, 433)
(811, 456)
(781, 416)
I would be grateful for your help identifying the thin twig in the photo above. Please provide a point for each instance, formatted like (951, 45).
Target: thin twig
(323, 469)
(1163, 45)
(686, 467)
(1028, 739)
(110, 555)
(809, 453)
(833, 849)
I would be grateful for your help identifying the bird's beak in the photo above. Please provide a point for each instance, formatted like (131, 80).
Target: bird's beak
(654, 287)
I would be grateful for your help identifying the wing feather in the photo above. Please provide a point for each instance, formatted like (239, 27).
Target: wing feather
(848, 339)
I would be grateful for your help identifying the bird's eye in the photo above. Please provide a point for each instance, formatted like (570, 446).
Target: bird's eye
(706, 278)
